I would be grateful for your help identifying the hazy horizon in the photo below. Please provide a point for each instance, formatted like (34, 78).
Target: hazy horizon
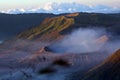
(59, 6)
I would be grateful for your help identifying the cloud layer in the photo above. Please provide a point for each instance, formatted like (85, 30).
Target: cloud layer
(58, 8)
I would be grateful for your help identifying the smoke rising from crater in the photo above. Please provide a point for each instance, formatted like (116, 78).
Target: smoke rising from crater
(85, 40)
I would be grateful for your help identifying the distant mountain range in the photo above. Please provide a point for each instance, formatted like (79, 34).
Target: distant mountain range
(57, 8)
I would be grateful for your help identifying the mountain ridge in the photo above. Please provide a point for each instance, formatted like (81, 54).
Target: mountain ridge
(66, 23)
(47, 27)
(22, 22)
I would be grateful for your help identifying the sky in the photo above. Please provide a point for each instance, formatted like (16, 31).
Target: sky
(31, 4)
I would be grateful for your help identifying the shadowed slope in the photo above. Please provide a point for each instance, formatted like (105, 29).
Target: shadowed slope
(109, 70)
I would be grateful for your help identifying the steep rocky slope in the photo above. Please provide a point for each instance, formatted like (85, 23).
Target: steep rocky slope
(108, 70)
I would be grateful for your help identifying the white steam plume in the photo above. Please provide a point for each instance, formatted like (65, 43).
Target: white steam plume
(86, 40)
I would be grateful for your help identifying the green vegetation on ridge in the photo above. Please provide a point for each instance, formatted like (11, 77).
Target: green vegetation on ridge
(50, 27)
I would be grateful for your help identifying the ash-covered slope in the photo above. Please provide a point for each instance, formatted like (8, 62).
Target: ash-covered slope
(108, 70)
